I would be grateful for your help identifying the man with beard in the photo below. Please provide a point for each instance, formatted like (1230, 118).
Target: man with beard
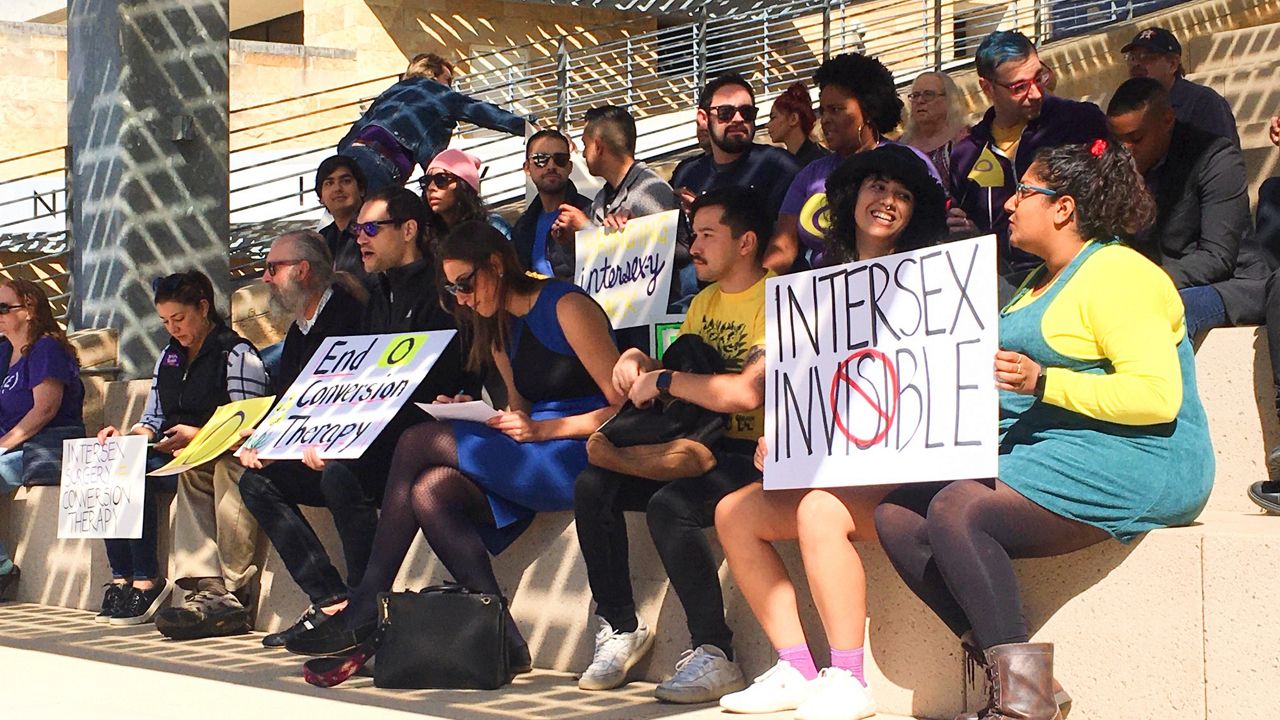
(1023, 117)
(727, 107)
(322, 303)
(548, 165)
(340, 187)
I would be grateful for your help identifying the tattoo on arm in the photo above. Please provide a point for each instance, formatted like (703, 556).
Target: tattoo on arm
(755, 355)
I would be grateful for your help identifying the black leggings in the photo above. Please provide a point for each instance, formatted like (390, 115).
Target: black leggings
(426, 491)
(953, 544)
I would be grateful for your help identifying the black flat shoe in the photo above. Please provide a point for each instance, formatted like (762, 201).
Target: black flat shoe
(330, 639)
(309, 620)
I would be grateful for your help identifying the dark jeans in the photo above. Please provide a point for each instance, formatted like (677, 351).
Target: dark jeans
(136, 559)
(1204, 310)
(274, 494)
(677, 513)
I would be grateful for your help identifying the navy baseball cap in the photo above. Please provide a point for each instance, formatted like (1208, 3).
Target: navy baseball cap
(1156, 40)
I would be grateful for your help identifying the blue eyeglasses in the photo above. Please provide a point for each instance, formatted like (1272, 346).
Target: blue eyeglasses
(1024, 190)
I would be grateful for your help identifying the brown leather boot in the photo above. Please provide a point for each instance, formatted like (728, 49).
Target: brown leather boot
(974, 659)
(1021, 676)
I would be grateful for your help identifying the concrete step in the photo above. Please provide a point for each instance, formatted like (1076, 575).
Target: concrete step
(1229, 48)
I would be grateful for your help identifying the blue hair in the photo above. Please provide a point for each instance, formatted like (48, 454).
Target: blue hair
(1000, 47)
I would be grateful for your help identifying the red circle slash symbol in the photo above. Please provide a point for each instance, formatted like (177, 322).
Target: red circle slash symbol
(889, 415)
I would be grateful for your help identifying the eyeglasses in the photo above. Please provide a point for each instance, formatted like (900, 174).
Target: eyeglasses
(925, 95)
(541, 159)
(275, 266)
(441, 180)
(725, 113)
(371, 228)
(1024, 191)
(464, 285)
(6, 308)
(1022, 87)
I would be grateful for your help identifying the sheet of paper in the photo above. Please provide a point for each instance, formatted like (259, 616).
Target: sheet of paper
(475, 410)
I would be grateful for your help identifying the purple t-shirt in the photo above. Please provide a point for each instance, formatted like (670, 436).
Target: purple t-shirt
(807, 198)
(45, 359)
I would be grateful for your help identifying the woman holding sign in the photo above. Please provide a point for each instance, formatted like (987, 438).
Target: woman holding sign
(41, 395)
(1102, 431)
(204, 365)
(471, 488)
(882, 201)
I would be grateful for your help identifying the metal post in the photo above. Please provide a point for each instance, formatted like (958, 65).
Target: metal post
(631, 82)
(1038, 10)
(700, 51)
(937, 35)
(562, 86)
(826, 32)
(764, 54)
(511, 85)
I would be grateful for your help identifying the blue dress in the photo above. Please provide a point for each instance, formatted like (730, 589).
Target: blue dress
(521, 479)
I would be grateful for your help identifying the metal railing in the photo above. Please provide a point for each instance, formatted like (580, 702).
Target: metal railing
(276, 145)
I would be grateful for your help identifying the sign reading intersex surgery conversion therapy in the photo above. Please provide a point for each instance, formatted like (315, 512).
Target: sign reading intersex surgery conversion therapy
(629, 271)
(348, 391)
(880, 371)
(102, 487)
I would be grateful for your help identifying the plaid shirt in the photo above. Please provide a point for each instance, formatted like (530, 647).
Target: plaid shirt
(246, 378)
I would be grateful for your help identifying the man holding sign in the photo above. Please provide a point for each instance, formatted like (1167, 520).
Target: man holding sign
(321, 303)
(730, 227)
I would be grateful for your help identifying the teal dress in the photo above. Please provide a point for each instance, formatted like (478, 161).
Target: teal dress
(1124, 479)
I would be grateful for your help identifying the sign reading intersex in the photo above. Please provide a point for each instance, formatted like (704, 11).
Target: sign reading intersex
(629, 271)
(102, 487)
(349, 390)
(880, 371)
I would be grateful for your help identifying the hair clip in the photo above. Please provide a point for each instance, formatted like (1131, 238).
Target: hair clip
(1099, 146)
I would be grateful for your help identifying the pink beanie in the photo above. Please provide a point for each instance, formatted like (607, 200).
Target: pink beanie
(464, 165)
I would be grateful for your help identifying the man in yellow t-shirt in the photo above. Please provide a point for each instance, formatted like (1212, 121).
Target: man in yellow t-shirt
(731, 227)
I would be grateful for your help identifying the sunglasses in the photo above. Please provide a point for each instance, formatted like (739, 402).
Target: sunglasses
(274, 267)
(6, 308)
(168, 283)
(464, 285)
(1022, 87)
(725, 113)
(541, 159)
(371, 228)
(440, 180)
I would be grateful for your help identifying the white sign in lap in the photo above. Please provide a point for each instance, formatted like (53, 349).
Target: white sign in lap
(880, 371)
(347, 393)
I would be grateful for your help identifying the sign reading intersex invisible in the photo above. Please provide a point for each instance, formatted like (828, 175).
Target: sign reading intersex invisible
(349, 390)
(102, 486)
(629, 271)
(880, 371)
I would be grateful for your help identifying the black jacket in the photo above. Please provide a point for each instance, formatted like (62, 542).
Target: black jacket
(523, 231)
(190, 389)
(344, 248)
(341, 315)
(1245, 295)
(406, 299)
(1202, 213)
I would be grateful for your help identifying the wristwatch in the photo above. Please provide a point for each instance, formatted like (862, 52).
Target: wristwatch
(664, 383)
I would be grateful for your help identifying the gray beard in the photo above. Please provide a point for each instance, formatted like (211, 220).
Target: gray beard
(287, 303)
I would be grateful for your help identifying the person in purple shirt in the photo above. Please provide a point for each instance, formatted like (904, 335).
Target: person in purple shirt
(1023, 117)
(41, 396)
(858, 103)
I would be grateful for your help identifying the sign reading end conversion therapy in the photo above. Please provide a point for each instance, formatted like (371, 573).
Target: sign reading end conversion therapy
(347, 393)
(880, 371)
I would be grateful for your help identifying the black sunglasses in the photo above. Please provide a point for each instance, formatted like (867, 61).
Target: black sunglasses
(167, 283)
(465, 285)
(371, 228)
(725, 113)
(441, 180)
(541, 159)
(6, 308)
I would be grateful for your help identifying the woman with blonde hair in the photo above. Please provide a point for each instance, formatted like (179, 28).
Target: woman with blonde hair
(41, 397)
(936, 120)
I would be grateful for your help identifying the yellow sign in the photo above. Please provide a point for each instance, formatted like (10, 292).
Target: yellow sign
(218, 435)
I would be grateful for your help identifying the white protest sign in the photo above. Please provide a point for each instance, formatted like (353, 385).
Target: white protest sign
(102, 487)
(629, 271)
(881, 371)
(349, 390)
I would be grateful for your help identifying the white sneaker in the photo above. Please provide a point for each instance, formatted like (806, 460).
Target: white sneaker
(781, 688)
(837, 695)
(702, 675)
(616, 653)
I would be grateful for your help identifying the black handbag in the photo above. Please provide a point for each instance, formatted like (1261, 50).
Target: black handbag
(446, 636)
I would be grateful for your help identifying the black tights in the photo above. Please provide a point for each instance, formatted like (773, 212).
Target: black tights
(953, 545)
(426, 491)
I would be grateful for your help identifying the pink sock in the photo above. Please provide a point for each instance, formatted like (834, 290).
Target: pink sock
(850, 660)
(801, 659)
